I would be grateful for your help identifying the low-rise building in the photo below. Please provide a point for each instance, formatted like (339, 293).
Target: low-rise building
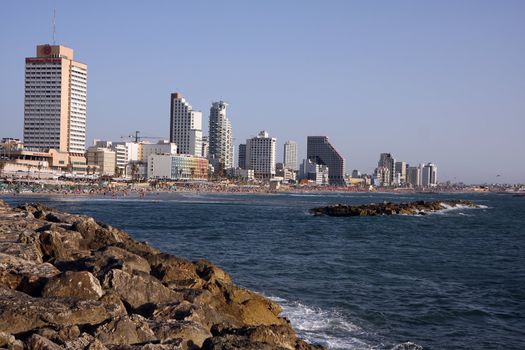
(177, 167)
(242, 174)
(317, 173)
(102, 159)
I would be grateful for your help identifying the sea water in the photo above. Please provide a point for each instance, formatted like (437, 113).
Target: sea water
(450, 280)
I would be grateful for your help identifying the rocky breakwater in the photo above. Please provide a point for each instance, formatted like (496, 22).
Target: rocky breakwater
(412, 208)
(70, 282)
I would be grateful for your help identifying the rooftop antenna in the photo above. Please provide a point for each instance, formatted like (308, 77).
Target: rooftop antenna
(54, 25)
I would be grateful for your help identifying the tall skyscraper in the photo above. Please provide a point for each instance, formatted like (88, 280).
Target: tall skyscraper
(290, 155)
(387, 161)
(429, 175)
(414, 176)
(185, 126)
(260, 155)
(320, 151)
(55, 101)
(220, 151)
(242, 156)
(401, 172)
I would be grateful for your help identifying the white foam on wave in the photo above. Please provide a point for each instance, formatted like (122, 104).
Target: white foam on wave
(448, 208)
(325, 327)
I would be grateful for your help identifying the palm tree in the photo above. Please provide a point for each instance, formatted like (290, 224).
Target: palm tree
(134, 171)
(39, 167)
(2, 166)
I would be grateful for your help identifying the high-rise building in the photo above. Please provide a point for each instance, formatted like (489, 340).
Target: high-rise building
(414, 176)
(55, 101)
(205, 147)
(401, 172)
(242, 156)
(221, 139)
(185, 126)
(320, 151)
(260, 155)
(429, 175)
(290, 155)
(387, 161)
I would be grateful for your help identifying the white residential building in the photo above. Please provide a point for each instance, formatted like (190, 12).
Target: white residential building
(260, 155)
(185, 126)
(414, 176)
(290, 155)
(220, 152)
(161, 147)
(312, 171)
(429, 175)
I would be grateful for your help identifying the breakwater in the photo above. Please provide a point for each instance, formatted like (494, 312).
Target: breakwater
(388, 208)
(70, 282)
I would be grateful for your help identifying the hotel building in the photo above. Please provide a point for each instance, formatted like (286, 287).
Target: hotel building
(55, 103)
(320, 151)
(260, 156)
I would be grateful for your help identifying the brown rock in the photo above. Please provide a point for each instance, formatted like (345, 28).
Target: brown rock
(177, 272)
(21, 313)
(191, 333)
(37, 342)
(203, 314)
(8, 341)
(140, 292)
(24, 275)
(84, 342)
(81, 284)
(132, 329)
(211, 272)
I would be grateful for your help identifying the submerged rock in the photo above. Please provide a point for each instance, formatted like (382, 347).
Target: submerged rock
(70, 282)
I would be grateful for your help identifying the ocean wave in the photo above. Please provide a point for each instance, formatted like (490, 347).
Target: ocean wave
(325, 327)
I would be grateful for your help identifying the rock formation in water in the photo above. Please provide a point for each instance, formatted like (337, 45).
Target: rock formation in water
(70, 282)
(412, 208)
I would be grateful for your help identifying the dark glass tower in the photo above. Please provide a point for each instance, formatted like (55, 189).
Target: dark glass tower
(321, 151)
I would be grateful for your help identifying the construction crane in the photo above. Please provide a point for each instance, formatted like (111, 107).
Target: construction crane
(138, 138)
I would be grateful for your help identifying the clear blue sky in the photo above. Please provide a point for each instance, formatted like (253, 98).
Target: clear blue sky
(440, 81)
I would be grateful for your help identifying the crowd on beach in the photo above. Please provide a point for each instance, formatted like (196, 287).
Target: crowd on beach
(142, 189)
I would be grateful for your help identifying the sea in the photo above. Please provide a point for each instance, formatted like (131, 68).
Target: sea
(450, 280)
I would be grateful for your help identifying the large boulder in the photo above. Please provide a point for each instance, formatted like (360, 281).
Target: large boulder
(190, 333)
(175, 272)
(80, 284)
(132, 329)
(37, 342)
(140, 292)
(24, 275)
(20, 313)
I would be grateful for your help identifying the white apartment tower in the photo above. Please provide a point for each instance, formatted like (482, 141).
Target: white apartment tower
(290, 155)
(429, 175)
(220, 151)
(55, 101)
(185, 126)
(260, 155)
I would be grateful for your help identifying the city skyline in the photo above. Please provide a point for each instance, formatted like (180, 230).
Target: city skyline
(461, 144)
